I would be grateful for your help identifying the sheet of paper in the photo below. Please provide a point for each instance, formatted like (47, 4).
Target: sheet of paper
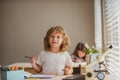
(42, 76)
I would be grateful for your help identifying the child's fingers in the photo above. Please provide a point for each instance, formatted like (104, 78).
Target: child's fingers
(66, 71)
(33, 60)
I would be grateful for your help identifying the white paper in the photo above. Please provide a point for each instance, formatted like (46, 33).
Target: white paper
(42, 76)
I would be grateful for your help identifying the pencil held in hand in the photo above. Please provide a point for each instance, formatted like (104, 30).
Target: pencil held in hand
(33, 60)
(28, 57)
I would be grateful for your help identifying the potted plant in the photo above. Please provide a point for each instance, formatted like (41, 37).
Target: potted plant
(90, 51)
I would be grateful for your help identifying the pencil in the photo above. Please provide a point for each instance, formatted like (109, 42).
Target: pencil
(28, 57)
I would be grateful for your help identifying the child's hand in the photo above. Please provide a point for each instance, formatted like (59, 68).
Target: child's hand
(33, 60)
(35, 66)
(77, 60)
(67, 71)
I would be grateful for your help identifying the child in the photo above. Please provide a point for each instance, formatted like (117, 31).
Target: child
(54, 59)
(79, 54)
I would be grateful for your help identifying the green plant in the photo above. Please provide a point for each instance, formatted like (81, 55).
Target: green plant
(91, 51)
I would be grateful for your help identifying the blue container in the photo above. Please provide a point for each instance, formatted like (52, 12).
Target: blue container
(12, 75)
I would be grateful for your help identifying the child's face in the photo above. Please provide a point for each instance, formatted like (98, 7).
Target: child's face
(55, 40)
(81, 54)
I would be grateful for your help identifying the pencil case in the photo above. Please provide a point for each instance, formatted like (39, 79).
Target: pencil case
(12, 75)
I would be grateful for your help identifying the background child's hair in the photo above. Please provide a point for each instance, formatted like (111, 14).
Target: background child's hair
(82, 46)
(57, 29)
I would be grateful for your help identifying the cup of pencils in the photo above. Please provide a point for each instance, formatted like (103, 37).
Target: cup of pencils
(11, 73)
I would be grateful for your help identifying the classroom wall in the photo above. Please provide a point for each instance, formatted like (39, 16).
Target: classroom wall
(23, 25)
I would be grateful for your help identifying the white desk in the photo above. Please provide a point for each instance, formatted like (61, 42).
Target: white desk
(89, 68)
(21, 64)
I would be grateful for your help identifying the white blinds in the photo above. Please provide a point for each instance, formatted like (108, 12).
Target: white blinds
(97, 20)
(112, 36)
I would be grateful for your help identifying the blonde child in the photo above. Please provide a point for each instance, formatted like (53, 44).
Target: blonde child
(54, 59)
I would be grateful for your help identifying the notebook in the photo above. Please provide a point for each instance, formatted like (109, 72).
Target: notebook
(41, 76)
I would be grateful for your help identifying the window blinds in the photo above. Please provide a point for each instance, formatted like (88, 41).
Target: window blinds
(112, 36)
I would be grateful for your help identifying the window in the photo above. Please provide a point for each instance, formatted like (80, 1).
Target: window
(111, 35)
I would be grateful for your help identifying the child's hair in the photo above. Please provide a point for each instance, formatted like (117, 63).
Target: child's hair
(57, 29)
(82, 46)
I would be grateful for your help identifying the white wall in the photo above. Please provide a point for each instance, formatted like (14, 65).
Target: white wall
(23, 25)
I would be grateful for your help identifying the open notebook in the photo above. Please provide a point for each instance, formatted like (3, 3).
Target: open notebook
(41, 76)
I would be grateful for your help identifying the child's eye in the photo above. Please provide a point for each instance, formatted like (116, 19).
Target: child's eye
(58, 36)
(52, 36)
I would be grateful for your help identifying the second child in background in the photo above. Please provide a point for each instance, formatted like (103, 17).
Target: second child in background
(79, 54)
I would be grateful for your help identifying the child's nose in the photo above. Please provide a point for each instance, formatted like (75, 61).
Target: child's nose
(55, 38)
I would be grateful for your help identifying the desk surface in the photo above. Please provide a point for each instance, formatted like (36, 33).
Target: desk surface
(21, 64)
(57, 77)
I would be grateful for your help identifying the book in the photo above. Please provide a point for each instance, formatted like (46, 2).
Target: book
(41, 76)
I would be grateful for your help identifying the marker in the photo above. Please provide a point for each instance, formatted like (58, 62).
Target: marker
(16, 68)
(28, 57)
(23, 68)
(12, 68)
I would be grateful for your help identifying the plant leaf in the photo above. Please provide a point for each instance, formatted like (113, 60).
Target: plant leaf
(87, 51)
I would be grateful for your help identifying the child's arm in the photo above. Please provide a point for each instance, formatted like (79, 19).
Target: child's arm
(35, 66)
(68, 70)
